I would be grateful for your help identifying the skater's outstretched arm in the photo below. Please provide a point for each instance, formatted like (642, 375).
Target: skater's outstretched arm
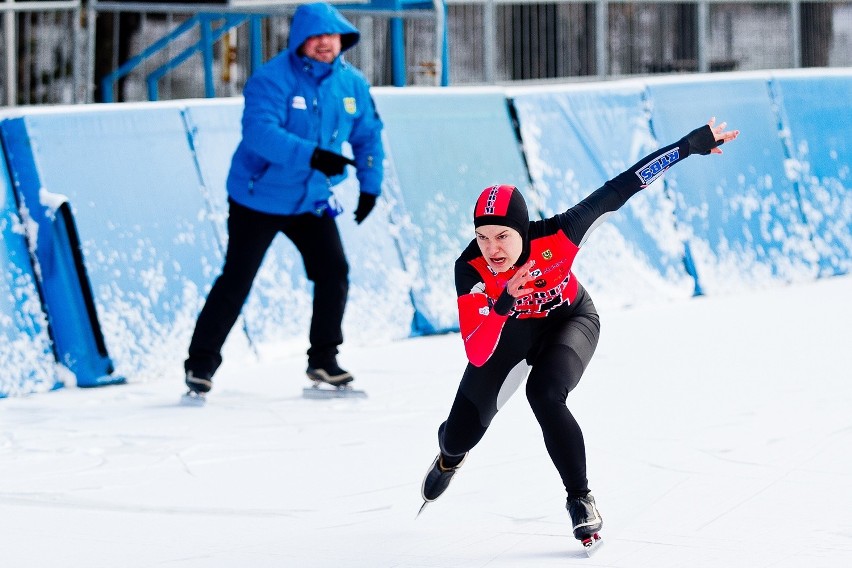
(580, 220)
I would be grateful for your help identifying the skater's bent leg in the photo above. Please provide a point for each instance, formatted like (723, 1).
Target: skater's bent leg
(556, 371)
(461, 432)
(249, 236)
(318, 241)
(552, 378)
(481, 391)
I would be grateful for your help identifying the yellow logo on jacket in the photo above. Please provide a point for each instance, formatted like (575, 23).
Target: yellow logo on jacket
(547, 255)
(349, 105)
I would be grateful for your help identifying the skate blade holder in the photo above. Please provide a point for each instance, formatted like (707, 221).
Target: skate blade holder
(193, 398)
(591, 543)
(323, 390)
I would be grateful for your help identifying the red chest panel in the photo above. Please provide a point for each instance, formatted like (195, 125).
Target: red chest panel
(553, 281)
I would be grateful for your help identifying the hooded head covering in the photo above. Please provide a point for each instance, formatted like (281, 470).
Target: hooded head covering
(502, 205)
(318, 19)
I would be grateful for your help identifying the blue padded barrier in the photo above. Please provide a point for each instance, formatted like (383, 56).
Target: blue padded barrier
(279, 306)
(741, 209)
(62, 274)
(27, 361)
(443, 147)
(575, 139)
(129, 176)
(816, 120)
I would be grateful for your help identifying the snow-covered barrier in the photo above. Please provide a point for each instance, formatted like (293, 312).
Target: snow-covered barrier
(27, 362)
(741, 212)
(575, 139)
(444, 146)
(816, 121)
(146, 243)
(124, 207)
(278, 308)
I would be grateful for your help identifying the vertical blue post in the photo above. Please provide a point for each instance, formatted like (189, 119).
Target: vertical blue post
(445, 51)
(397, 33)
(689, 266)
(207, 55)
(255, 43)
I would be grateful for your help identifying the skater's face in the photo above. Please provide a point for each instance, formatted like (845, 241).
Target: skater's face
(500, 246)
(325, 47)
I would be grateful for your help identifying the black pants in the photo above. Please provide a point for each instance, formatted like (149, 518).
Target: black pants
(558, 347)
(250, 233)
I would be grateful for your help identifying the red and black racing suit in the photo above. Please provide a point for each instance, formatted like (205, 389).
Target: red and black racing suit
(554, 330)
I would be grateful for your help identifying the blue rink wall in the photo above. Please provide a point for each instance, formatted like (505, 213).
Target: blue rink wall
(113, 216)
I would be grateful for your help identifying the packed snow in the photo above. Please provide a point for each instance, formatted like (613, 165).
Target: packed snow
(718, 433)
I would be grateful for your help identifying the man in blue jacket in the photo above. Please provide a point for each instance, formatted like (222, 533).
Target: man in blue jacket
(300, 107)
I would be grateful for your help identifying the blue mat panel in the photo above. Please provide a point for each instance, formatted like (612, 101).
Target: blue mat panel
(444, 147)
(740, 210)
(575, 139)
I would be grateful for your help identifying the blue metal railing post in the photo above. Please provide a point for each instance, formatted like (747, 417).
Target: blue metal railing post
(255, 43)
(153, 77)
(206, 44)
(397, 33)
(109, 80)
(445, 49)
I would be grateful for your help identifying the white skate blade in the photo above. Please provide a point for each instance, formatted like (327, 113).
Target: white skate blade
(592, 544)
(423, 506)
(192, 398)
(324, 391)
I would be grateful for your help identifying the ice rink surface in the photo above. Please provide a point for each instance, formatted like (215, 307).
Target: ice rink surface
(718, 433)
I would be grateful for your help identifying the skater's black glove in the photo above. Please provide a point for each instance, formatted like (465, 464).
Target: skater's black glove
(366, 202)
(329, 163)
(701, 141)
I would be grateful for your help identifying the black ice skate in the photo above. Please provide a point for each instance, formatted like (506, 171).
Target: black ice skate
(437, 479)
(199, 386)
(331, 374)
(586, 520)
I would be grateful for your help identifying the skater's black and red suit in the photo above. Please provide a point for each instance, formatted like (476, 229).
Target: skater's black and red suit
(553, 330)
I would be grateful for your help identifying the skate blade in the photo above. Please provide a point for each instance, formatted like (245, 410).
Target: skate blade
(328, 391)
(592, 544)
(193, 398)
(423, 506)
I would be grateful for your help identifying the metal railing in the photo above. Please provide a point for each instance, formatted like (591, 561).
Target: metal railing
(489, 42)
(40, 57)
(194, 29)
(511, 40)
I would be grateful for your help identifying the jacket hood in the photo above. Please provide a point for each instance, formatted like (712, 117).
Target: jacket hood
(317, 19)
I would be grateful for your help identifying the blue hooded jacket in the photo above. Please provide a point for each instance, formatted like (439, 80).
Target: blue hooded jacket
(294, 104)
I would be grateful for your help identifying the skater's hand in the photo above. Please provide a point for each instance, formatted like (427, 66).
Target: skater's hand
(516, 286)
(708, 138)
(720, 135)
(329, 163)
(366, 202)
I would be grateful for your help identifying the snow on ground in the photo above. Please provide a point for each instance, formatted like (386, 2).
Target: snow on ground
(718, 433)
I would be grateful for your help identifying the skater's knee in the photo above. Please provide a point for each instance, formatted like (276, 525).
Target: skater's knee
(462, 430)
(543, 395)
(333, 271)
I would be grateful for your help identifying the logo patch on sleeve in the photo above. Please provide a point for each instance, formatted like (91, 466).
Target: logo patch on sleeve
(299, 102)
(655, 168)
(349, 105)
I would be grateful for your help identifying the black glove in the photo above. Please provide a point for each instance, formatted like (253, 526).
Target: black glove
(702, 140)
(329, 163)
(366, 202)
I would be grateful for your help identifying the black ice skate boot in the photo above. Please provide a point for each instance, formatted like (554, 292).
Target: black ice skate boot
(584, 516)
(199, 384)
(438, 478)
(328, 372)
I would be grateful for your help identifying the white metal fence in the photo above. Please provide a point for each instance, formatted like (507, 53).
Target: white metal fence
(41, 49)
(57, 51)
